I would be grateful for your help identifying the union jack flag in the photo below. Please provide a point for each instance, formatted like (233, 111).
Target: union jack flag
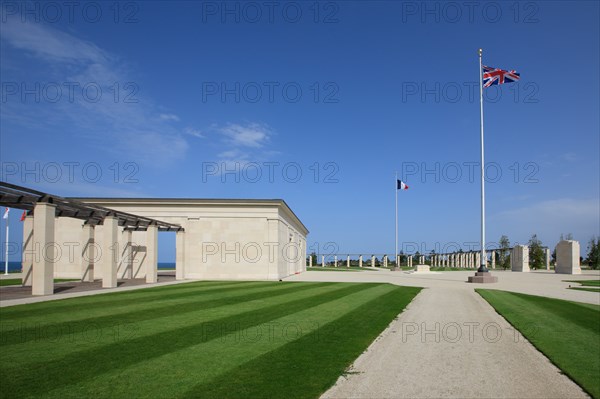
(497, 76)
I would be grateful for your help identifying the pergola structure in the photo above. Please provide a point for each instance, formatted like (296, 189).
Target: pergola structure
(40, 248)
(14, 196)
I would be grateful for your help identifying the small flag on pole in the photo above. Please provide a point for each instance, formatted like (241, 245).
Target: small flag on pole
(497, 76)
(23, 216)
(5, 216)
(402, 185)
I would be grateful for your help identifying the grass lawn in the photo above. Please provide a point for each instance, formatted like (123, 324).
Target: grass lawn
(586, 285)
(568, 333)
(17, 281)
(201, 339)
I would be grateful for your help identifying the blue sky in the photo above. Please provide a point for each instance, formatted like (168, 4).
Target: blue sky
(325, 100)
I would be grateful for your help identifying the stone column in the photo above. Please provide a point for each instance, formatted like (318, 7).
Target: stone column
(309, 260)
(28, 251)
(547, 253)
(128, 253)
(493, 259)
(519, 258)
(410, 261)
(347, 260)
(152, 254)
(322, 260)
(372, 260)
(88, 254)
(110, 251)
(385, 260)
(45, 249)
(567, 257)
(360, 261)
(477, 259)
(180, 255)
(397, 260)
(335, 260)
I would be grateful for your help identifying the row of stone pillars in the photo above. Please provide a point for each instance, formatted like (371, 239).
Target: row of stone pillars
(467, 260)
(361, 262)
(39, 251)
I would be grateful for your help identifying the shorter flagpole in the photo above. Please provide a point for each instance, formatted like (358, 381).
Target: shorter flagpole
(396, 241)
(6, 251)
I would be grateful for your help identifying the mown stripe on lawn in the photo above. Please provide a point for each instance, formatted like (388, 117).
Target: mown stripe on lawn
(30, 380)
(208, 360)
(568, 333)
(113, 299)
(307, 367)
(53, 343)
(17, 332)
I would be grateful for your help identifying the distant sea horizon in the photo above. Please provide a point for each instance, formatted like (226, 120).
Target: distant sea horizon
(15, 266)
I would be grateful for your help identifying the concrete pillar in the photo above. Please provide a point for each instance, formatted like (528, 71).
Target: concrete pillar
(493, 259)
(309, 260)
(348, 261)
(477, 259)
(567, 257)
(547, 253)
(385, 260)
(88, 253)
(410, 261)
(360, 261)
(128, 255)
(397, 260)
(519, 258)
(110, 251)
(152, 254)
(28, 253)
(45, 250)
(335, 260)
(322, 260)
(180, 255)
(372, 260)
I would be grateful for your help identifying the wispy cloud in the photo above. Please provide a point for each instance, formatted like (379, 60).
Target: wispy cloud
(169, 117)
(550, 218)
(253, 135)
(193, 132)
(50, 44)
(119, 120)
(569, 156)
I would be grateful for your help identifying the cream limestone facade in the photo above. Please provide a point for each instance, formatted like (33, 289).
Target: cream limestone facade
(221, 239)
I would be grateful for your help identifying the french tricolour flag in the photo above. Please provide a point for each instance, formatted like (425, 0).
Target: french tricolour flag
(402, 185)
(5, 216)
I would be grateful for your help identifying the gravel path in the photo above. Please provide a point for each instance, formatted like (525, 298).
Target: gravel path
(450, 343)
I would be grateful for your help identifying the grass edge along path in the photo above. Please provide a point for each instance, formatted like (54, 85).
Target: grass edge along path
(309, 366)
(567, 333)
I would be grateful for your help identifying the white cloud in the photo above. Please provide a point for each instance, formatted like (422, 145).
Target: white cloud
(50, 44)
(120, 121)
(569, 156)
(193, 132)
(550, 218)
(169, 117)
(252, 135)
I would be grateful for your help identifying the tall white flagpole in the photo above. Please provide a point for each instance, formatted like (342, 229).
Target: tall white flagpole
(396, 242)
(482, 267)
(6, 252)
